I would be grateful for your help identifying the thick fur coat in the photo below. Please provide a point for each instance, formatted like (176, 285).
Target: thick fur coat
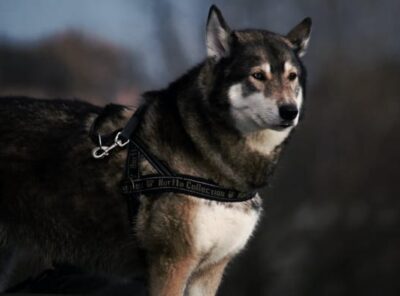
(226, 120)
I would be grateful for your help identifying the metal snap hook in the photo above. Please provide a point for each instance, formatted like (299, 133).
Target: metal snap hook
(102, 151)
(99, 152)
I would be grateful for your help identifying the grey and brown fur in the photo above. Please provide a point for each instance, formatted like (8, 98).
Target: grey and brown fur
(64, 206)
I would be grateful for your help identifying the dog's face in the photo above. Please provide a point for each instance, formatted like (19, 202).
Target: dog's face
(259, 76)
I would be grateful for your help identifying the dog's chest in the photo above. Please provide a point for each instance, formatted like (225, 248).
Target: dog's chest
(221, 231)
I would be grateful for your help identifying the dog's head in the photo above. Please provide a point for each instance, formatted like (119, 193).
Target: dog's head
(259, 79)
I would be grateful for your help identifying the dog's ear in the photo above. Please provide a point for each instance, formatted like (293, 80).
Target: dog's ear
(299, 36)
(217, 35)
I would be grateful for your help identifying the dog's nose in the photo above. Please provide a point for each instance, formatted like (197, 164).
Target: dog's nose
(288, 112)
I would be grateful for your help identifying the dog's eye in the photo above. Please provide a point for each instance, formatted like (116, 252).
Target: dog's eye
(292, 76)
(259, 76)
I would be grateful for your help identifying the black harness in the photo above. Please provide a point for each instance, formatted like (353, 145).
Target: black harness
(134, 183)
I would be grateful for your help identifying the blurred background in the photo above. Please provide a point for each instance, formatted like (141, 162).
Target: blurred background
(331, 224)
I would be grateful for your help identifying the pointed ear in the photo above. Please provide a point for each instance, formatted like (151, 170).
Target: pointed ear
(217, 35)
(299, 36)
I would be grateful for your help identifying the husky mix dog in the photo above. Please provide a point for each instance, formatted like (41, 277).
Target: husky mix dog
(227, 119)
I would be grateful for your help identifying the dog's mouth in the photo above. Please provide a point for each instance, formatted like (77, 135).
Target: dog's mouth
(286, 124)
(283, 125)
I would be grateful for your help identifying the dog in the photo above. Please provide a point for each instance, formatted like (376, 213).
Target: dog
(227, 120)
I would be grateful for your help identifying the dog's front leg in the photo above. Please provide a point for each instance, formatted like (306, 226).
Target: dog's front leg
(205, 282)
(169, 276)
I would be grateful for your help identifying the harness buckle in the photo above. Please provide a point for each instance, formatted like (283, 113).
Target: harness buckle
(102, 151)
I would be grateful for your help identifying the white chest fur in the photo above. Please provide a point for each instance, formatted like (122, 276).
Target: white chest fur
(221, 231)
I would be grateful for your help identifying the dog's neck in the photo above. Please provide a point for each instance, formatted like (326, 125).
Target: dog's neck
(179, 130)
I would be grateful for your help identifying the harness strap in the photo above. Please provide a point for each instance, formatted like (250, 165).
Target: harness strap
(160, 166)
(183, 184)
(179, 183)
(134, 183)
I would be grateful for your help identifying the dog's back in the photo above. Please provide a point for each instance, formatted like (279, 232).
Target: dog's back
(32, 128)
(51, 187)
(37, 140)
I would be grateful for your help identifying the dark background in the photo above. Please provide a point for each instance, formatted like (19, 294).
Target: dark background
(331, 223)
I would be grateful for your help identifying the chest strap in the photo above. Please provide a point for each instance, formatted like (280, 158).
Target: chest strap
(167, 181)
